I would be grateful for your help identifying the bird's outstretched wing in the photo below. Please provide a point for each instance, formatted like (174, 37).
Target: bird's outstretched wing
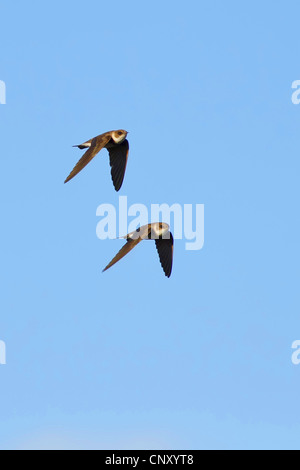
(165, 247)
(131, 243)
(118, 157)
(97, 144)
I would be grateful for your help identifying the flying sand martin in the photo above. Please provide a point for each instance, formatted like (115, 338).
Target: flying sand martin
(118, 148)
(164, 241)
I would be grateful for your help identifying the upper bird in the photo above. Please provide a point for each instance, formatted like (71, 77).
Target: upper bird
(118, 148)
(160, 232)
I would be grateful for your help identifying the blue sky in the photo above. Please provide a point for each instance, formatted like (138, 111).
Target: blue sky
(129, 359)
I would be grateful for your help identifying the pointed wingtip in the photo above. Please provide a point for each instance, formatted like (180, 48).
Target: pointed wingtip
(67, 180)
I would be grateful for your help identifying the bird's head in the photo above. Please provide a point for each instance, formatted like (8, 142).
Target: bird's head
(159, 229)
(119, 136)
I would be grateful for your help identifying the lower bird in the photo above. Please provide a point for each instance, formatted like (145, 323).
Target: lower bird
(118, 148)
(160, 232)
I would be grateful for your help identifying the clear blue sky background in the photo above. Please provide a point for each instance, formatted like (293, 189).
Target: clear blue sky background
(129, 359)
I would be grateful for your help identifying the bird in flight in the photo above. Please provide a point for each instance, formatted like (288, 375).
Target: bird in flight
(118, 148)
(164, 241)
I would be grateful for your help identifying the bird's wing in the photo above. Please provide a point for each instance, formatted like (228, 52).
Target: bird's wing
(97, 144)
(165, 248)
(124, 251)
(118, 156)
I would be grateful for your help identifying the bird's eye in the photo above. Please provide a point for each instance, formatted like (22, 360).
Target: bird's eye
(120, 133)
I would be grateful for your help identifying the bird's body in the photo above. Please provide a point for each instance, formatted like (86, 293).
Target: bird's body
(118, 148)
(160, 232)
